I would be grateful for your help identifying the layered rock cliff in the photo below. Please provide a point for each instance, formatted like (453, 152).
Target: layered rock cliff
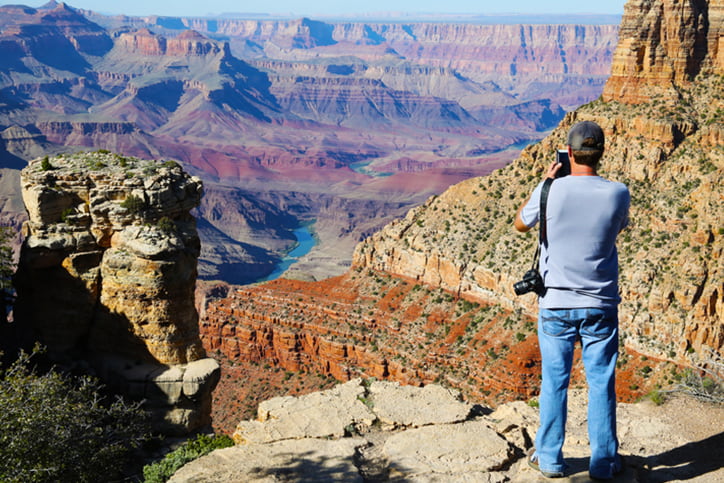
(293, 337)
(664, 46)
(107, 273)
(189, 43)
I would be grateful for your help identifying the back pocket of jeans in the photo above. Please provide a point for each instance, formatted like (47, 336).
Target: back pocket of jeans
(555, 326)
(599, 326)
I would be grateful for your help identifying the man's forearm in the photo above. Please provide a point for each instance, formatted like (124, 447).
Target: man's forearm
(518, 223)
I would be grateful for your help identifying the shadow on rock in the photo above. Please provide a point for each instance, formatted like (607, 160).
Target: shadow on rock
(683, 463)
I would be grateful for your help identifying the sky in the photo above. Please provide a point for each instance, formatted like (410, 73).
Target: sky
(200, 8)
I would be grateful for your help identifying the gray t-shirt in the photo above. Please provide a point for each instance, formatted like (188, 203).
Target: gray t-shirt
(584, 216)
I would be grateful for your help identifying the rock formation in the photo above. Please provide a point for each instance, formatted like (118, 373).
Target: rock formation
(107, 274)
(189, 43)
(379, 431)
(664, 46)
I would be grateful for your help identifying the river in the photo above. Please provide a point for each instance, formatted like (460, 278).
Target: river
(305, 242)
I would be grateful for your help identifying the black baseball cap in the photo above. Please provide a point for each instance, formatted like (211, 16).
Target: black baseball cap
(586, 136)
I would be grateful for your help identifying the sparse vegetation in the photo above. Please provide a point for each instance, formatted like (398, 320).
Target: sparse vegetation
(65, 215)
(705, 382)
(204, 444)
(133, 204)
(657, 397)
(166, 225)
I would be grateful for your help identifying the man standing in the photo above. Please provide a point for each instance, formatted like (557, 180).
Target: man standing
(579, 266)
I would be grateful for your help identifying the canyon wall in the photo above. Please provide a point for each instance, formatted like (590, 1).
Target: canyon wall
(568, 61)
(107, 273)
(665, 45)
(543, 49)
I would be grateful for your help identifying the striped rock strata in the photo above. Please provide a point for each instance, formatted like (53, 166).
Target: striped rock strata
(107, 274)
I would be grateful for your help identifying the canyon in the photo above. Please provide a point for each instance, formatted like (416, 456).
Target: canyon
(348, 124)
(429, 297)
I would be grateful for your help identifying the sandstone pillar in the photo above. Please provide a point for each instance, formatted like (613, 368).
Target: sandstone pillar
(107, 274)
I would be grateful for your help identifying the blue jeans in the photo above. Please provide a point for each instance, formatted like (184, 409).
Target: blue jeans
(558, 330)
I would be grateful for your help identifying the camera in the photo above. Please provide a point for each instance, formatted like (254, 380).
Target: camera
(532, 282)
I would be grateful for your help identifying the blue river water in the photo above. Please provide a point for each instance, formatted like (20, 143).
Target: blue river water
(305, 242)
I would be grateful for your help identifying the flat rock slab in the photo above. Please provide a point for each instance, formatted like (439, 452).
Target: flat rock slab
(411, 443)
(293, 460)
(323, 414)
(200, 376)
(410, 406)
(447, 451)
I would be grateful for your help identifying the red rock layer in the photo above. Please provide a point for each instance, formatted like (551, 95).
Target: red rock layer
(291, 337)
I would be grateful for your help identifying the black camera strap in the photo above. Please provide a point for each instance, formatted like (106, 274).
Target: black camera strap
(542, 216)
(543, 231)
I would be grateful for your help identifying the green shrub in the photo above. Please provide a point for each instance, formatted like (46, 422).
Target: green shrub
(133, 204)
(166, 225)
(65, 216)
(161, 471)
(657, 397)
(45, 164)
(54, 427)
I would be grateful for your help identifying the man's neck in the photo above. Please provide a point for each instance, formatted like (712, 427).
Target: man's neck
(583, 171)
